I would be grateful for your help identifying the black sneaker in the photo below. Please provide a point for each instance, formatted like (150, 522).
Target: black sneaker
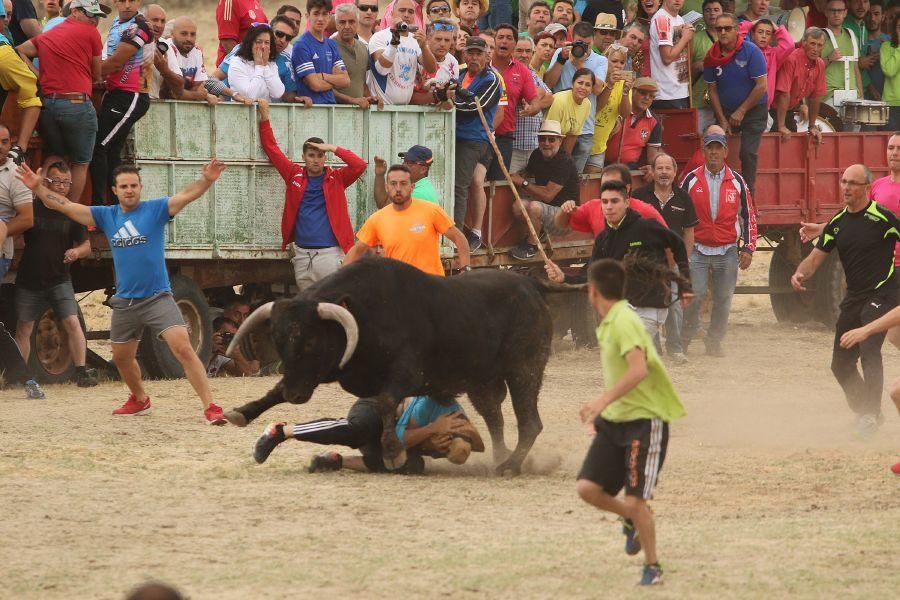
(271, 437)
(17, 155)
(632, 541)
(474, 240)
(327, 461)
(523, 251)
(86, 378)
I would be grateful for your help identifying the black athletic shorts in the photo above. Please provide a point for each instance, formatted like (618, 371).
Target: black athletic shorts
(628, 455)
(365, 417)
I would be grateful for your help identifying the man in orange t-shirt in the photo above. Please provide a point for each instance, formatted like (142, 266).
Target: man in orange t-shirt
(409, 229)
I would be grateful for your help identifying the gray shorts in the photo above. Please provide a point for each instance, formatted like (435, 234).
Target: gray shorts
(30, 304)
(131, 315)
(312, 264)
(548, 212)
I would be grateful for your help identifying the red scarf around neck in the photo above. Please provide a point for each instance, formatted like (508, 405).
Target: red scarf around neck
(715, 58)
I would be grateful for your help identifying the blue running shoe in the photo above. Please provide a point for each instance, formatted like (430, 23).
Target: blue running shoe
(632, 541)
(652, 575)
(33, 390)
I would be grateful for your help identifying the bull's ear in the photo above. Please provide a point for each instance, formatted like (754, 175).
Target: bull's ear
(345, 302)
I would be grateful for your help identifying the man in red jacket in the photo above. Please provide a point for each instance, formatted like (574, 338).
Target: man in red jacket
(315, 221)
(724, 239)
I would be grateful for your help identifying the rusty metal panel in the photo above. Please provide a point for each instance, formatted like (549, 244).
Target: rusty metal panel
(242, 212)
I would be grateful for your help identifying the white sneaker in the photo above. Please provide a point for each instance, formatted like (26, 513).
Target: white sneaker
(678, 358)
(866, 426)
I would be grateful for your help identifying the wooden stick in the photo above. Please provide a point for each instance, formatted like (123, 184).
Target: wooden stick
(512, 186)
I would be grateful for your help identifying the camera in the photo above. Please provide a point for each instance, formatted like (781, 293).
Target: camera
(162, 46)
(403, 26)
(226, 336)
(579, 49)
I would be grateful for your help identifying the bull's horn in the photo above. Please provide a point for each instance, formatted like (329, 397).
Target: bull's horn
(336, 312)
(254, 320)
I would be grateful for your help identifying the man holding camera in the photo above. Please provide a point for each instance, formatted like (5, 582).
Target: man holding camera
(566, 62)
(397, 56)
(219, 364)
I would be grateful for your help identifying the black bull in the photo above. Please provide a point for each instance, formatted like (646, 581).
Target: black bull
(384, 329)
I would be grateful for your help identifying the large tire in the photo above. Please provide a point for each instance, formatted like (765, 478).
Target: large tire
(50, 360)
(154, 355)
(788, 307)
(831, 287)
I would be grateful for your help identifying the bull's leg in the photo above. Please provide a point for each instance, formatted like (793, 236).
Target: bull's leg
(247, 413)
(488, 402)
(392, 448)
(523, 388)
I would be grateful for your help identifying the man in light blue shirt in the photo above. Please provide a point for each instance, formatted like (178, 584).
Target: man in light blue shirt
(564, 63)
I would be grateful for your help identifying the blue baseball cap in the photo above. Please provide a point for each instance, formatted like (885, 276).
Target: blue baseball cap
(709, 138)
(417, 154)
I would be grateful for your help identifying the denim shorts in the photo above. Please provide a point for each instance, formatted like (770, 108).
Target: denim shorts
(31, 303)
(131, 315)
(69, 129)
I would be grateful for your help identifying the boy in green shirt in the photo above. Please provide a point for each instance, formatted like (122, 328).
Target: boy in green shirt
(631, 418)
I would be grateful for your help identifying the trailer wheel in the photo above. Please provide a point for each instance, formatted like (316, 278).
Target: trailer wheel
(788, 307)
(50, 360)
(154, 355)
(831, 286)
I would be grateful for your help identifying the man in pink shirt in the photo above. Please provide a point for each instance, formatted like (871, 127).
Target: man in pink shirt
(801, 77)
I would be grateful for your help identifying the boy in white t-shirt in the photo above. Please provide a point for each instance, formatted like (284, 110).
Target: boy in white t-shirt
(670, 38)
(397, 56)
(189, 58)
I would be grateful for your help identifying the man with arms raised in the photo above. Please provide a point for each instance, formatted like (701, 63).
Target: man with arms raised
(409, 229)
(136, 231)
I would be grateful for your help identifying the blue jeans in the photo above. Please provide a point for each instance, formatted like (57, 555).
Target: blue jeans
(500, 12)
(4, 267)
(674, 325)
(582, 150)
(69, 128)
(718, 274)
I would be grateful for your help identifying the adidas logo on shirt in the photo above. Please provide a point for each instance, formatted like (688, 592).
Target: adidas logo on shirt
(127, 236)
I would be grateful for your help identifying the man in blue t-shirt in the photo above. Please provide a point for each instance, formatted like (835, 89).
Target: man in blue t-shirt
(735, 70)
(424, 425)
(317, 61)
(136, 231)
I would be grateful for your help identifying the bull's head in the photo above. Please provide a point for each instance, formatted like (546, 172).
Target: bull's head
(311, 348)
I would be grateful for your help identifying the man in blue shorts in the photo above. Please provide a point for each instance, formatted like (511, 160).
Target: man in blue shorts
(136, 231)
(630, 419)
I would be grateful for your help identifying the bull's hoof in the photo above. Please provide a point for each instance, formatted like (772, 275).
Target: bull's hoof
(236, 418)
(509, 468)
(395, 463)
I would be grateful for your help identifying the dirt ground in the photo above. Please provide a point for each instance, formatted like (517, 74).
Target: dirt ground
(765, 492)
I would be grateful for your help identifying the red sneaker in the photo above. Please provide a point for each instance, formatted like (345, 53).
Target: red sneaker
(214, 415)
(896, 469)
(133, 407)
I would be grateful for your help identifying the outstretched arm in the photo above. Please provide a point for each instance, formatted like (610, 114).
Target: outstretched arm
(356, 252)
(855, 336)
(194, 190)
(32, 180)
(807, 268)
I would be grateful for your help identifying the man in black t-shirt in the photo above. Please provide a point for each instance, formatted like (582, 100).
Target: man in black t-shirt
(864, 235)
(43, 279)
(555, 181)
(677, 208)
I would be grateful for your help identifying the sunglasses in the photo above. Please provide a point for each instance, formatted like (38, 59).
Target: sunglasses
(439, 9)
(547, 139)
(61, 182)
(444, 27)
(368, 8)
(284, 36)
(258, 24)
(724, 28)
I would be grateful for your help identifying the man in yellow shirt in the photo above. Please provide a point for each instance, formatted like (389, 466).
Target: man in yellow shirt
(409, 229)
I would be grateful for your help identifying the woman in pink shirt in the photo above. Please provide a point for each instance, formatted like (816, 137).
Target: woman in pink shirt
(761, 33)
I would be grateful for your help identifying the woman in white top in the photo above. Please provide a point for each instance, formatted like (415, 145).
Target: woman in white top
(253, 72)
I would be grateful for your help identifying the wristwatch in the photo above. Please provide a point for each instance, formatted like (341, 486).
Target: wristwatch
(525, 183)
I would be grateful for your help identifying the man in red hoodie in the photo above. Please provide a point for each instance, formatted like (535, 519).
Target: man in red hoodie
(315, 221)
